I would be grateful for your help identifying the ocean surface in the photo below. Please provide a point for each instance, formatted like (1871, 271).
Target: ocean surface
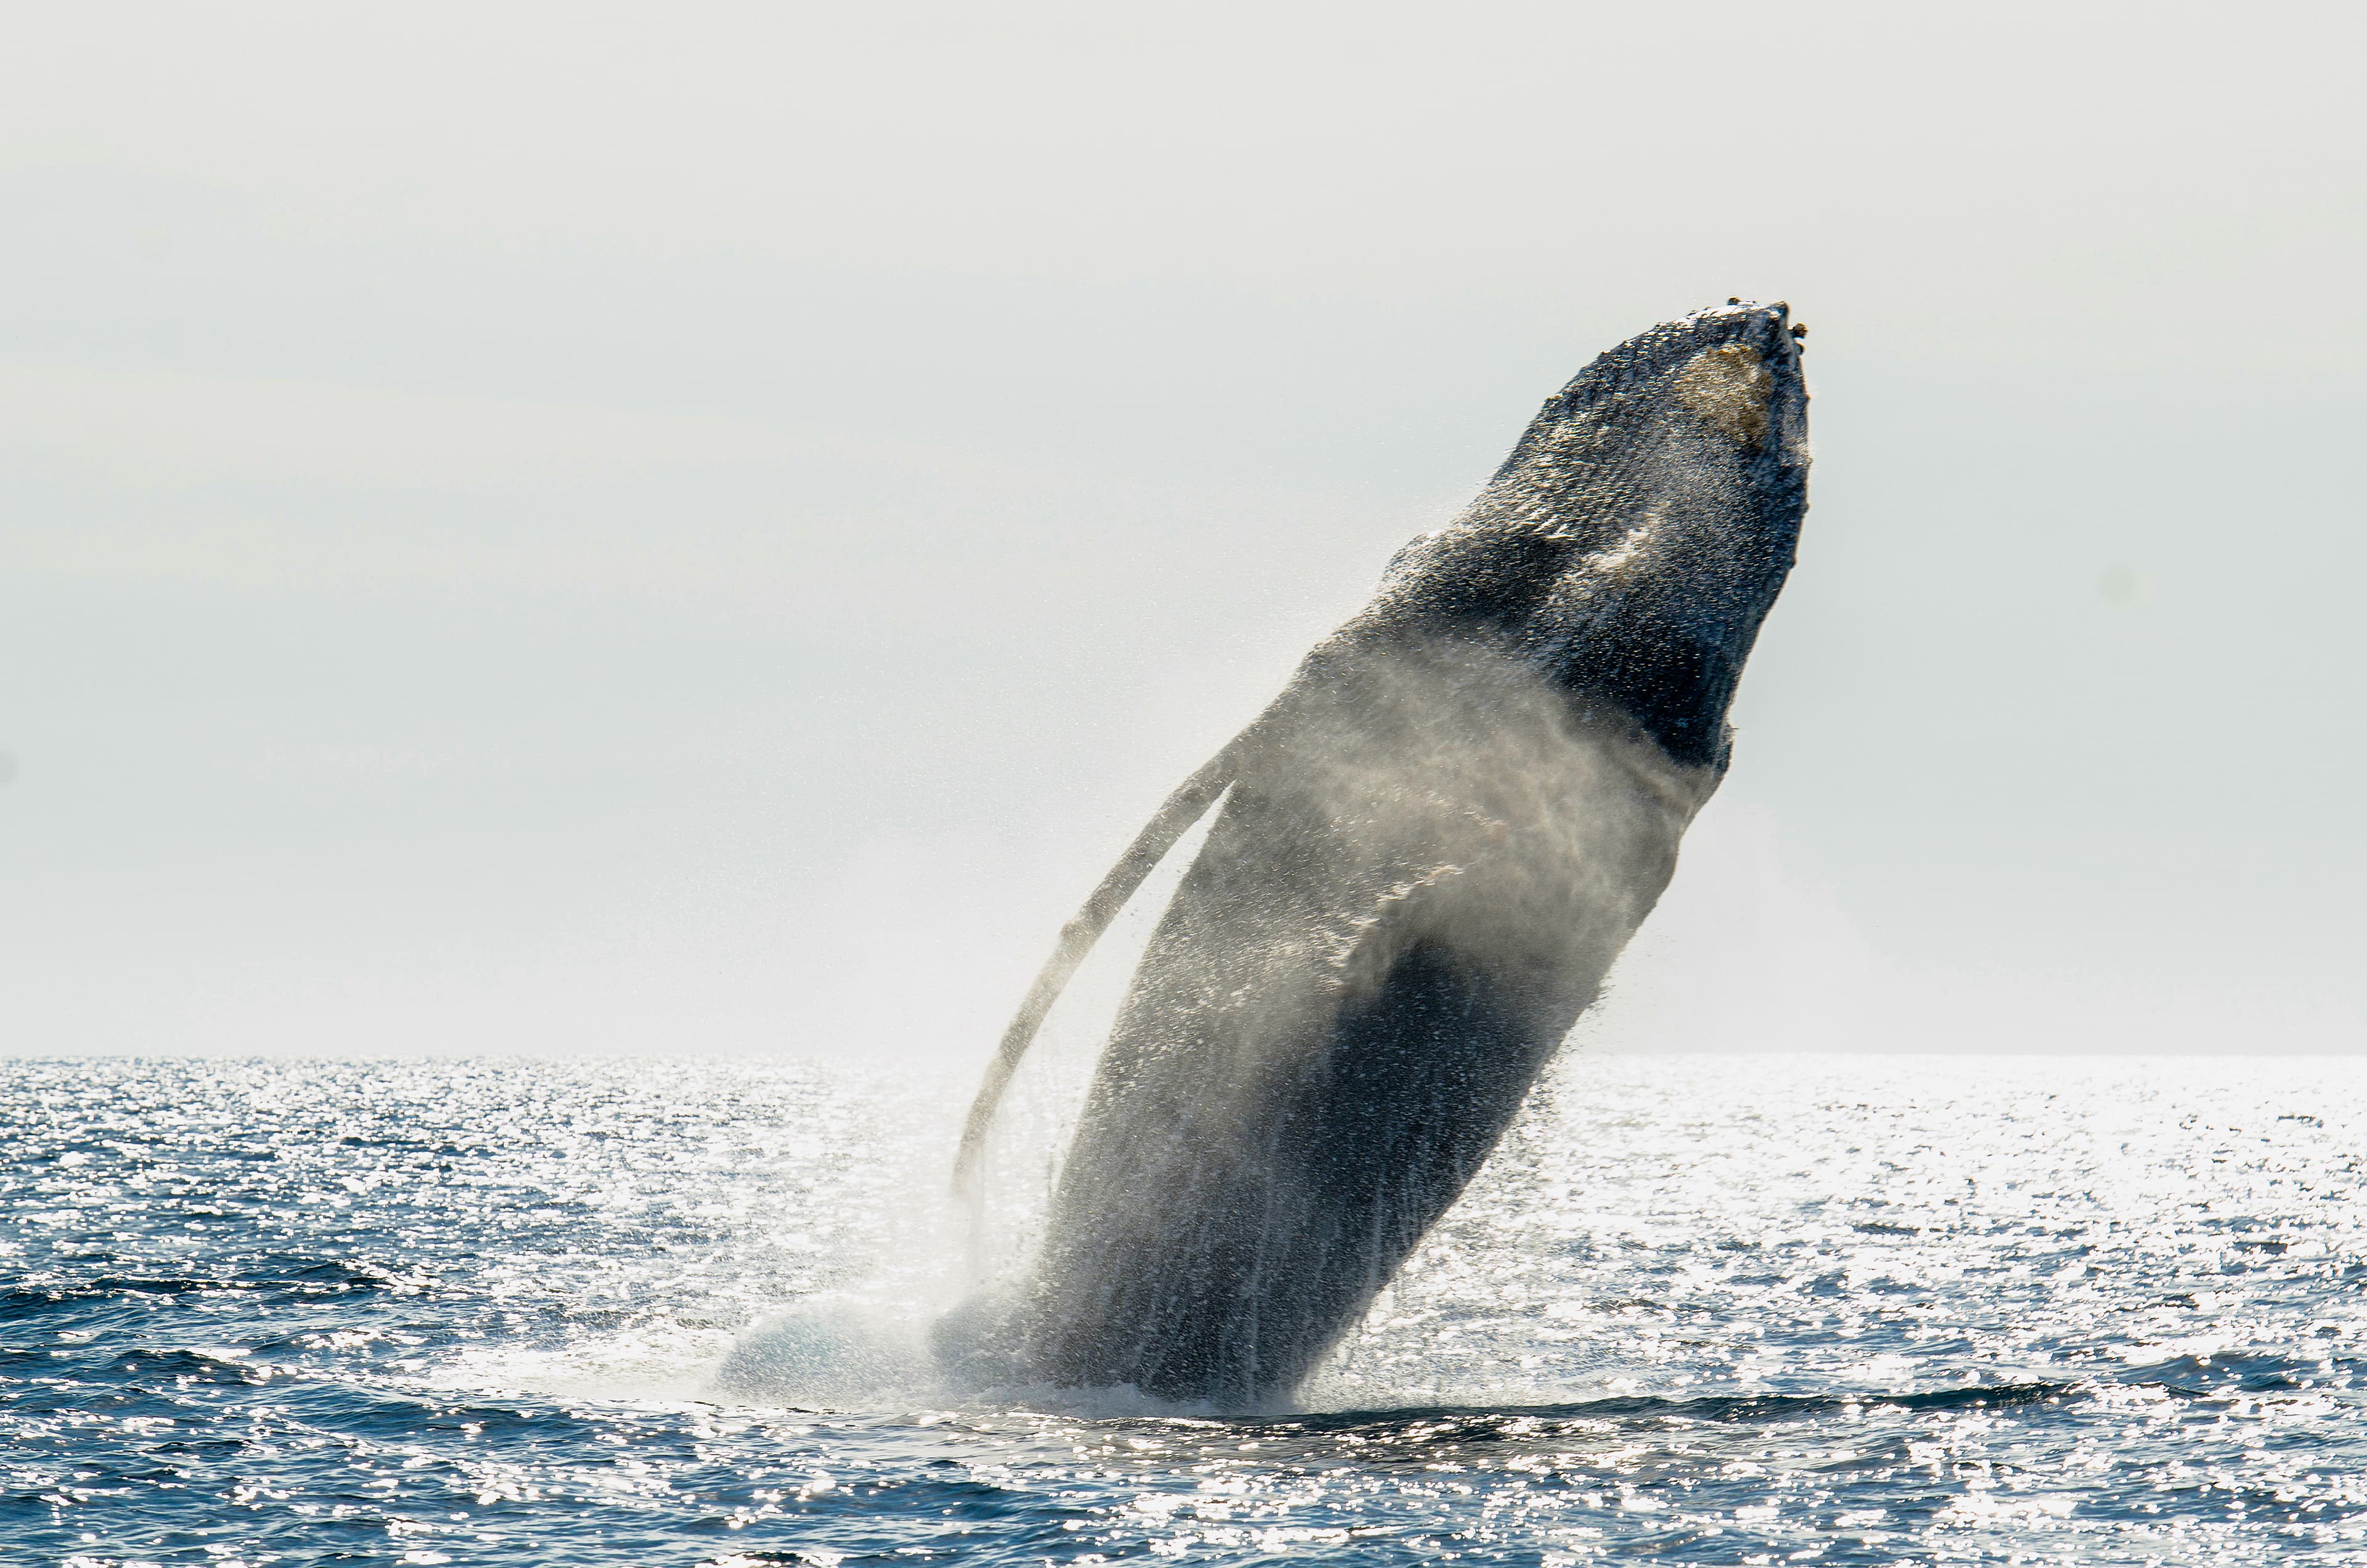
(1718, 1309)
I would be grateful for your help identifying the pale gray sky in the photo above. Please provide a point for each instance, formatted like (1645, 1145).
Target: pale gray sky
(686, 528)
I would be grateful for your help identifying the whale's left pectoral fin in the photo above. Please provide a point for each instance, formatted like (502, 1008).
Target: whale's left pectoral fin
(1190, 802)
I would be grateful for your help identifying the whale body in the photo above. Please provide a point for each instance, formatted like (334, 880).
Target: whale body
(1431, 848)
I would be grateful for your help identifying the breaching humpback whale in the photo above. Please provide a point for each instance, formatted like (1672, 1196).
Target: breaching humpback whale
(1431, 847)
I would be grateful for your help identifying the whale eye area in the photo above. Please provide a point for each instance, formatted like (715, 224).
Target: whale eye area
(1728, 387)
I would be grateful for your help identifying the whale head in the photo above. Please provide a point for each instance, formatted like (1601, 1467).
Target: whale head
(1631, 544)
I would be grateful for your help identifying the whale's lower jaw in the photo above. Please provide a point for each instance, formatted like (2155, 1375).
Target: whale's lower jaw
(1379, 947)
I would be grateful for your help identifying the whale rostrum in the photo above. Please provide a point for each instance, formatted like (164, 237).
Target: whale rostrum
(1433, 845)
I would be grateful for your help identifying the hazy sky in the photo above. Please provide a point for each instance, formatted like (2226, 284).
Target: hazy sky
(705, 528)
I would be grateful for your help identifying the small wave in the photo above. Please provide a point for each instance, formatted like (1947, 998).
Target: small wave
(269, 1279)
(1467, 1421)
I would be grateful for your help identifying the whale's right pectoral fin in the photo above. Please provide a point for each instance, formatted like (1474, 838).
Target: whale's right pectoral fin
(1174, 818)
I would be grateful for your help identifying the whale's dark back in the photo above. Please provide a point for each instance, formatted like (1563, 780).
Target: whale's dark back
(1437, 840)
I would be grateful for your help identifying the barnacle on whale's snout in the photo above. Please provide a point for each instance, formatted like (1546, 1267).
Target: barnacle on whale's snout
(1728, 385)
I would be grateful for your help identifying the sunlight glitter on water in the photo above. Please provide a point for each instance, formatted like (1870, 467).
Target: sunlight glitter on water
(1699, 1309)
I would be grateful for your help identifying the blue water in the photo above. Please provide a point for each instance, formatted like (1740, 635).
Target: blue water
(1700, 1310)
